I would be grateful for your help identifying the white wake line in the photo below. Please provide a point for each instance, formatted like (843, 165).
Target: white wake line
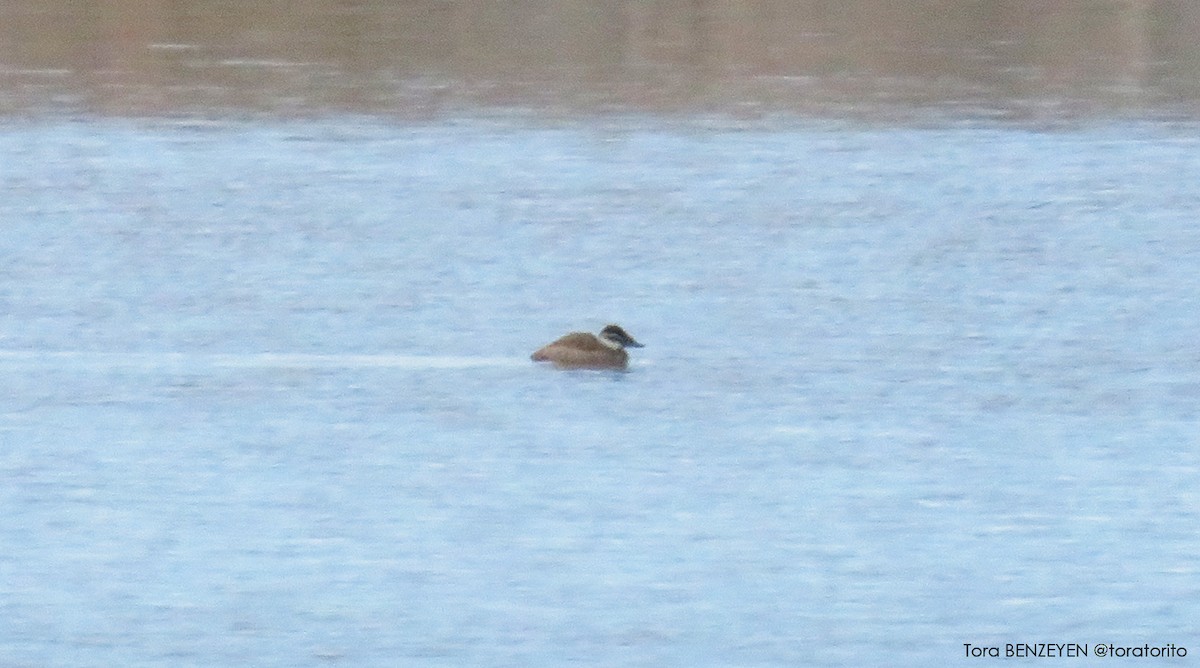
(155, 360)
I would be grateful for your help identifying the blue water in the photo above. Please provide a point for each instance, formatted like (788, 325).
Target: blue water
(266, 398)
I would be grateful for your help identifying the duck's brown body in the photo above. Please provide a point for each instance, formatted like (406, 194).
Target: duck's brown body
(580, 350)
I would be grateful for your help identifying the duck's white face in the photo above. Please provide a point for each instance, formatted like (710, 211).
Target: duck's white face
(611, 341)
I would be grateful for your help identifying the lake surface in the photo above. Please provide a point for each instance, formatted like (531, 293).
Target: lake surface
(267, 398)
(919, 301)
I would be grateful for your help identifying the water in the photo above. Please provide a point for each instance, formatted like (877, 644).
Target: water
(267, 401)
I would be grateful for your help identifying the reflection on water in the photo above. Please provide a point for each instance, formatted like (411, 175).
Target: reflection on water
(421, 58)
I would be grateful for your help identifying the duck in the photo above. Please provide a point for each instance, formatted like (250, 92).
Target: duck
(582, 350)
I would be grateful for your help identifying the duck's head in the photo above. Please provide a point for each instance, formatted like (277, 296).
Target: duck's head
(618, 338)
